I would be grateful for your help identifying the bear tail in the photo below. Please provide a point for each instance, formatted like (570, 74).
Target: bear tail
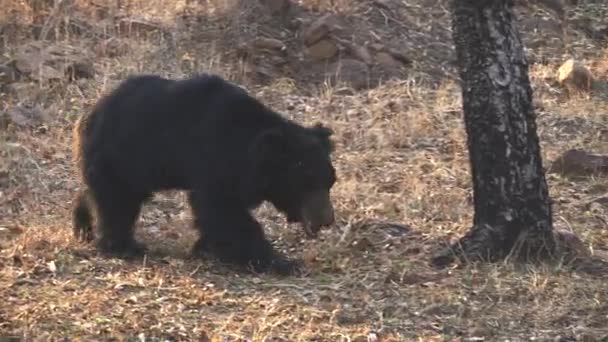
(82, 218)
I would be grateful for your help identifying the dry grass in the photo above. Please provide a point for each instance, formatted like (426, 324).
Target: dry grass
(401, 157)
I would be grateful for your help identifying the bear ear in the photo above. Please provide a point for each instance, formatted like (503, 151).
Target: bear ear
(269, 145)
(324, 133)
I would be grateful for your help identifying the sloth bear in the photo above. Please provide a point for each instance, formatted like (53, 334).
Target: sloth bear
(206, 136)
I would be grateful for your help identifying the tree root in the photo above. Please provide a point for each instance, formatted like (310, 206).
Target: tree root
(484, 243)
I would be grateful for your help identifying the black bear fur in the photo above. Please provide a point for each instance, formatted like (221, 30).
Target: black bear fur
(206, 136)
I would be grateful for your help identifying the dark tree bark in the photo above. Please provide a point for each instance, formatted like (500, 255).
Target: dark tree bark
(511, 200)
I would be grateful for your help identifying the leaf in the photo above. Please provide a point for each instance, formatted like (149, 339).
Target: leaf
(52, 267)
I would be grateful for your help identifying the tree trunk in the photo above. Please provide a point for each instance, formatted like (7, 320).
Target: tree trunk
(512, 205)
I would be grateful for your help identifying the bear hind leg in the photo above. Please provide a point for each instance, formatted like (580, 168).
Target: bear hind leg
(117, 212)
(82, 217)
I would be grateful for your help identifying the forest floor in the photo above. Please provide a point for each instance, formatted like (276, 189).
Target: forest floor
(403, 190)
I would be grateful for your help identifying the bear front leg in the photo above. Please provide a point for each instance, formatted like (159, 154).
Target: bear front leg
(230, 233)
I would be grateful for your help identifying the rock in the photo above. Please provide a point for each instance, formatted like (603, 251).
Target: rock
(243, 50)
(601, 33)
(579, 163)
(601, 200)
(556, 6)
(277, 60)
(361, 53)
(400, 56)
(363, 244)
(22, 115)
(295, 24)
(261, 72)
(370, 337)
(78, 70)
(268, 43)
(377, 46)
(569, 241)
(138, 26)
(386, 59)
(323, 49)
(346, 317)
(10, 232)
(575, 76)
(23, 91)
(277, 7)
(350, 71)
(46, 62)
(4, 173)
(260, 44)
(9, 73)
(111, 47)
(385, 4)
(550, 27)
(319, 29)
(36, 70)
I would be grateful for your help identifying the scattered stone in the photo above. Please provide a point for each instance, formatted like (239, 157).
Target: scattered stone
(569, 241)
(268, 43)
(323, 49)
(295, 24)
(350, 71)
(204, 337)
(480, 332)
(243, 50)
(277, 7)
(9, 73)
(556, 6)
(400, 56)
(277, 60)
(601, 200)
(390, 228)
(23, 91)
(575, 76)
(78, 70)
(41, 61)
(260, 72)
(377, 46)
(362, 53)
(23, 115)
(382, 4)
(601, 33)
(549, 26)
(138, 26)
(370, 337)
(10, 232)
(386, 59)
(263, 70)
(111, 47)
(30, 65)
(344, 317)
(362, 245)
(577, 162)
(4, 177)
(319, 29)
(261, 45)
(396, 230)
(587, 337)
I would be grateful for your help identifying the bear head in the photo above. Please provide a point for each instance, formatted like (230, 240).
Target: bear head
(295, 168)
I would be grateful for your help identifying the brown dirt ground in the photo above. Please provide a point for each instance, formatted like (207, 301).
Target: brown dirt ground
(401, 158)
